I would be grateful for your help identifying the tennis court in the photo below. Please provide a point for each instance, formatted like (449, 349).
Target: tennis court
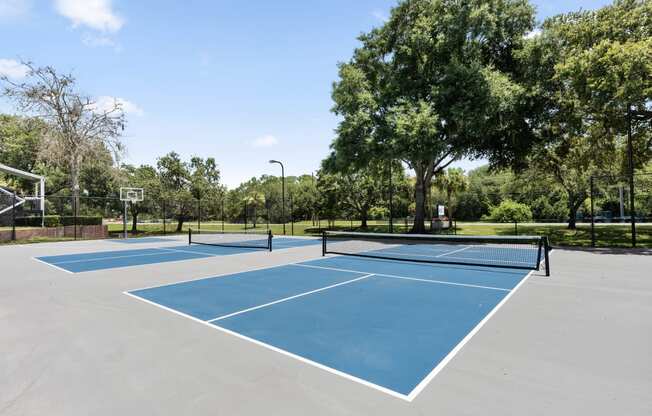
(209, 247)
(366, 314)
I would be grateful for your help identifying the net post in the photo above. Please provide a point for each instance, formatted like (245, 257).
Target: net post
(269, 239)
(539, 249)
(189, 236)
(546, 247)
(323, 243)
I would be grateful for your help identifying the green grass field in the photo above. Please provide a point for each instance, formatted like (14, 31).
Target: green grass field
(607, 235)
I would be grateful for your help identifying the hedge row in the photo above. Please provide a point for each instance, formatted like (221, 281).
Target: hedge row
(57, 221)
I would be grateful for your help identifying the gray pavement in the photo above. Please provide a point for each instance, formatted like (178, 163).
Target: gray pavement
(576, 343)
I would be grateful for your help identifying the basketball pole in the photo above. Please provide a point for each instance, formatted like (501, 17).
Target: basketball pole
(124, 220)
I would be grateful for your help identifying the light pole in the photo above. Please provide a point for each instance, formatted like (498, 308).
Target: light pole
(282, 191)
(633, 115)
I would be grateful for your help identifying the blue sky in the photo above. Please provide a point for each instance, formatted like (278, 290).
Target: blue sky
(241, 81)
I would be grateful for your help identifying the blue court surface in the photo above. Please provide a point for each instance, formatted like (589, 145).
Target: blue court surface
(390, 325)
(141, 240)
(78, 263)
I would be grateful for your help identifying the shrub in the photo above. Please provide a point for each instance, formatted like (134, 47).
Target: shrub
(48, 221)
(378, 213)
(57, 221)
(510, 211)
(81, 220)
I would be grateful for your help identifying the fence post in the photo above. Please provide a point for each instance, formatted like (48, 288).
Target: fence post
(245, 215)
(222, 204)
(13, 216)
(515, 227)
(199, 214)
(291, 216)
(630, 159)
(74, 216)
(164, 215)
(592, 213)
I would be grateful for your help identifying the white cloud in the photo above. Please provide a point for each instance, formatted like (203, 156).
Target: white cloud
(12, 69)
(106, 103)
(379, 15)
(14, 8)
(95, 41)
(536, 32)
(95, 14)
(264, 141)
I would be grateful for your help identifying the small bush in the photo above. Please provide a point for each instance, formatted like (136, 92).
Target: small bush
(378, 213)
(48, 221)
(510, 211)
(81, 220)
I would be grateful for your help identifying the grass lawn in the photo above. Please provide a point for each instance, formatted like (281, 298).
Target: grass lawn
(607, 235)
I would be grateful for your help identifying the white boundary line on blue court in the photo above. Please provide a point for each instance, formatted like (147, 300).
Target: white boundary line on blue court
(205, 255)
(409, 398)
(454, 251)
(393, 276)
(51, 265)
(219, 318)
(163, 249)
(422, 385)
(277, 350)
(447, 255)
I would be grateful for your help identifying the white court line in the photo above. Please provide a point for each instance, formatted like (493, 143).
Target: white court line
(441, 282)
(422, 385)
(277, 350)
(222, 275)
(454, 251)
(290, 298)
(52, 265)
(203, 253)
(447, 255)
(409, 398)
(189, 251)
(109, 257)
(494, 262)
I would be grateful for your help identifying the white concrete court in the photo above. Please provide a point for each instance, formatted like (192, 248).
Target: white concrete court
(576, 343)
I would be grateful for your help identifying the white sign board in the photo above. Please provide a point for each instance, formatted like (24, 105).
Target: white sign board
(441, 210)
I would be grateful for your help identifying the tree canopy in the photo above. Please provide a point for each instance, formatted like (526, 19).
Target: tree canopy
(434, 84)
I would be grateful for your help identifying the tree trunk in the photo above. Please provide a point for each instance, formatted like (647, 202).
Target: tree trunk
(134, 222)
(180, 223)
(364, 216)
(574, 203)
(420, 193)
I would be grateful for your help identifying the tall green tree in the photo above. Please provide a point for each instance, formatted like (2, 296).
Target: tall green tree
(451, 182)
(587, 69)
(175, 182)
(144, 177)
(20, 142)
(434, 84)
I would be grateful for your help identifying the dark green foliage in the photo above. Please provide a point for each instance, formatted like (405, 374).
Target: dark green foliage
(510, 211)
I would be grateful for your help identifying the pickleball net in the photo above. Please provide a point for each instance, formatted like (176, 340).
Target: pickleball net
(255, 240)
(513, 252)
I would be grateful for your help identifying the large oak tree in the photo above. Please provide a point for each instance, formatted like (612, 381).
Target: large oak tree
(434, 84)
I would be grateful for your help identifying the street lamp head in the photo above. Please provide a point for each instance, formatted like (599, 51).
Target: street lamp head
(274, 161)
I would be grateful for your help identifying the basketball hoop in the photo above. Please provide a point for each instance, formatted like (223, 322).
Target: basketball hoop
(132, 196)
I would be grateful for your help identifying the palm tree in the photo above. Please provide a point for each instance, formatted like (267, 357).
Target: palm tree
(255, 199)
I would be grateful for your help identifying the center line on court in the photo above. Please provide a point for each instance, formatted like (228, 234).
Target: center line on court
(440, 282)
(290, 298)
